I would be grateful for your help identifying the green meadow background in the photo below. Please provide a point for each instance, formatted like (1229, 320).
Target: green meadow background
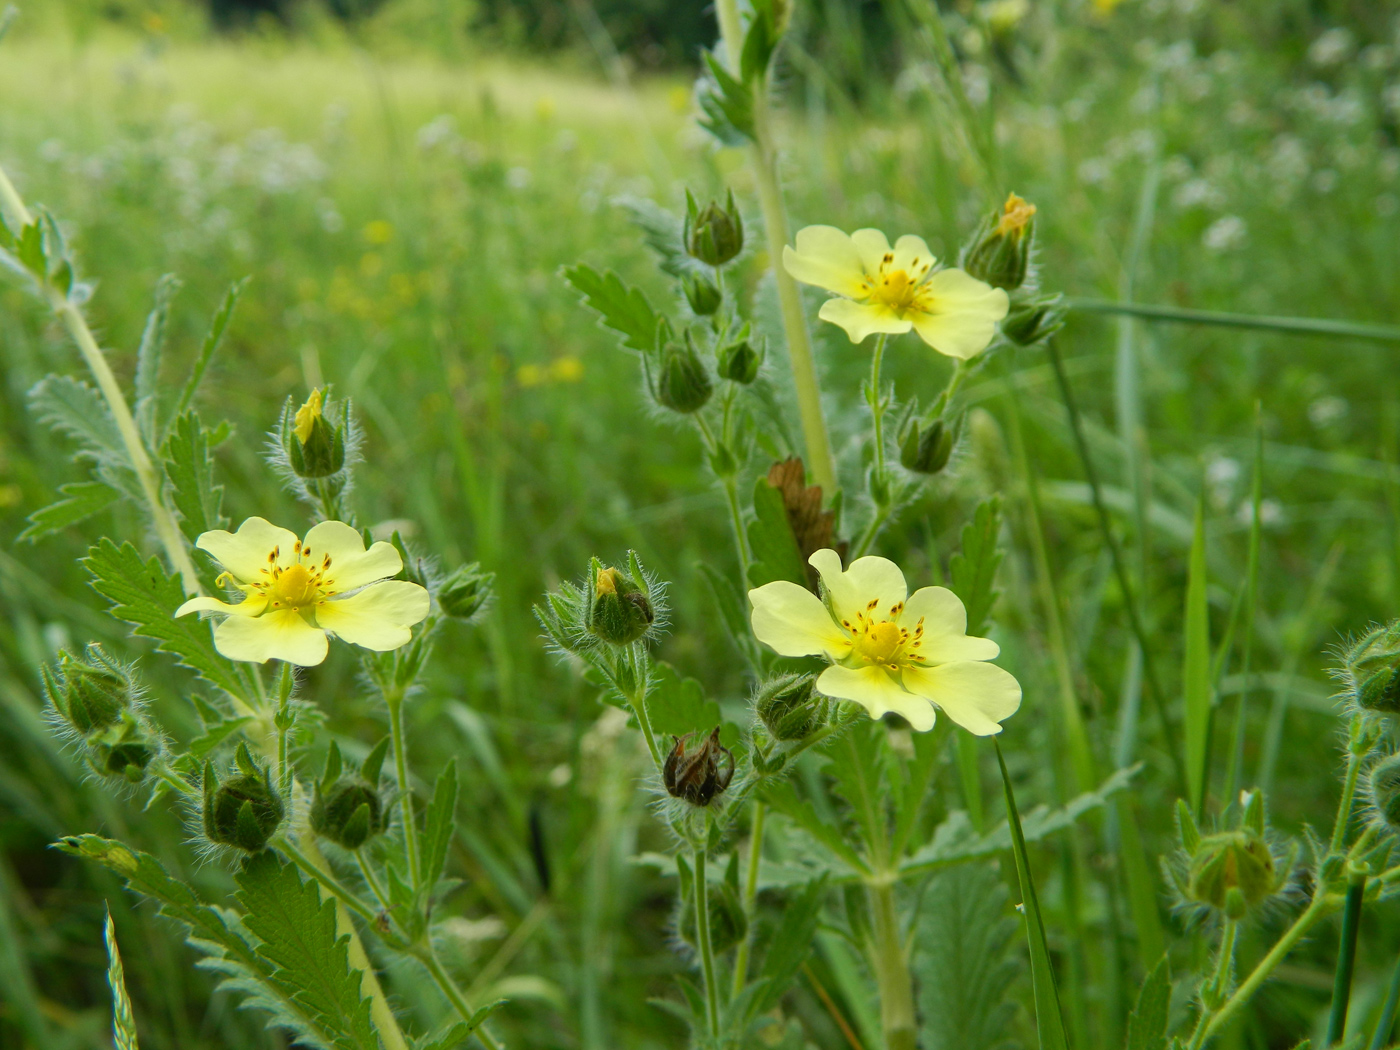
(402, 189)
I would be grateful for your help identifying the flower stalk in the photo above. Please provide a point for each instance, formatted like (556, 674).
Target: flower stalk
(741, 958)
(702, 935)
(897, 1018)
(394, 700)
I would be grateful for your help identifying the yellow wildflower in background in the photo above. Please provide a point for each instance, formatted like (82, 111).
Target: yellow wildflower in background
(296, 591)
(893, 290)
(889, 650)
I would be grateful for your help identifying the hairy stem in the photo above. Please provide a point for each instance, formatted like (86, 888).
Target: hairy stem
(702, 935)
(896, 985)
(875, 399)
(638, 703)
(459, 1002)
(410, 818)
(741, 959)
(1339, 829)
(67, 312)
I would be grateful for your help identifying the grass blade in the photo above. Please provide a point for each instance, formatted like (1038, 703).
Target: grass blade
(1048, 1020)
(123, 1021)
(1195, 671)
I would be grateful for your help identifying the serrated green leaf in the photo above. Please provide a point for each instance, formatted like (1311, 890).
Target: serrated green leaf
(1049, 1021)
(789, 945)
(1195, 671)
(212, 339)
(311, 964)
(677, 705)
(727, 104)
(1147, 1026)
(148, 356)
(733, 613)
(143, 594)
(973, 569)
(73, 408)
(190, 468)
(439, 824)
(621, 307)
(123, 1020)
(776, 555)
(81, 500)
(962, 960)
(215, 734)
(783, 797)
(31, 251)
(662, 232)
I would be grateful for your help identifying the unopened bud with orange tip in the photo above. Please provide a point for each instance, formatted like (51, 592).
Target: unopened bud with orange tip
(315, 445)
(621, 613)
(1001, 250)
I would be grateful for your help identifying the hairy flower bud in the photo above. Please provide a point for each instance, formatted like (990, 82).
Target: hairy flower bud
(698, 775)
(681, 382)
(90, 692)
(621, 612)
(1234, 870)
(1371, 669)
(727, 921)
(349, 813)
(1383, 787)
(243, 810)
(466, 591)
(1000, 253)
(925, 449)
(714, 234)
(1033, 320)
(789, 708)
(315, 446)
(702, 293)
(739, 360)
(123, 749)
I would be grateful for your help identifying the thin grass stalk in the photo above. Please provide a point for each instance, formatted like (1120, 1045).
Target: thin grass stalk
(1119, 569)
(1380, 1038)
(1346, 961)
(1235, 763)
(1380, 333)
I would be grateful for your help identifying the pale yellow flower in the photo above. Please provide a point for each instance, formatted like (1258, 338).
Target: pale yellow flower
(889, 650)
(305, 420)
(296, 591)
(893, 290)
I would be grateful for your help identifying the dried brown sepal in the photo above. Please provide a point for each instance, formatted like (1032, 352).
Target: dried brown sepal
(812, 527)
(698, 776)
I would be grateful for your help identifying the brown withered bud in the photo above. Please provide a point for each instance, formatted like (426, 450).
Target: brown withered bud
(698, 775)
(812, 527)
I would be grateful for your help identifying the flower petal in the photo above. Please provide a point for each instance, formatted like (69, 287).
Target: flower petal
(280, 635)
(962, 314)
(869, 579)
(873, 246)
(976, 696)
(249, 606)
(792, 621)
(878, 693)
(912, 255)
(862, 319)
(945, 638)
(245, 552)
(824, 256)
(351, 565)
(378, 617)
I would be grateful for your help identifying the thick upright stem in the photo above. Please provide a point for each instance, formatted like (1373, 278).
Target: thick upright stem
(741, 959)
(897, 1017)
(877, 411)
(1346, 961)
(410, 818)
(702, 935)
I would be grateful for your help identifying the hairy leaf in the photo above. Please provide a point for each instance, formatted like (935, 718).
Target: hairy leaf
(789, 946)
(962, 960)
(621, 307)
(81, 500)
(1147, 1027)
(727, 104)
(211, 343)
(973, 569)
(311, 965)
(76, 409)
(190, 468)
(775, 552)
(677, 705)
(123, 1020)
(143, 594)
(733, 613)
(662, 232)
(439, 824)
(148, 356)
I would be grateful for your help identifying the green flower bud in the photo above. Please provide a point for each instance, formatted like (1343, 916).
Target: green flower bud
(1232, 860)
(703, 294)
(789, 708)
(925, 450)
(464, 593)
(728, 923)
(349, 813)
(1034, 320)
(1383, 786)
(1000, 254)
(681, 382)
(700, 774)
(715, 234)
(739, 361)
(621, 613)
(123, 749)
(315, 447)
(1372, 669)
(244, 810)
(90, 692)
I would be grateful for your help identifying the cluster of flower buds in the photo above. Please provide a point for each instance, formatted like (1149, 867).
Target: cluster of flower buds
(1001, 253)
(621, 611)
(713, 235)
(790, 708)
(349, 809)
(242, 809)
(466, 591)
(1383, 790)
(724, 909)
(315, 445)
(1234, 871)
(698, 775)
(96, 700)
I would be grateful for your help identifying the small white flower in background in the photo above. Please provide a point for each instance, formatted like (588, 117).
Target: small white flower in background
(1221, 475)
(1328, 410)
(296, 591)
(889, 650)
(1330, 48)
(1224, 234)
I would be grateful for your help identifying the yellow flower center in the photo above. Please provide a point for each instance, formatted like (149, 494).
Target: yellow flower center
(607, 582)
(306, 417)
(295, 586)
(880, 642)
(900, 290)
(885, 641)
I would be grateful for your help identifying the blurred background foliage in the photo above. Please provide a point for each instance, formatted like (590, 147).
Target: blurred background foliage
(403, 180)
